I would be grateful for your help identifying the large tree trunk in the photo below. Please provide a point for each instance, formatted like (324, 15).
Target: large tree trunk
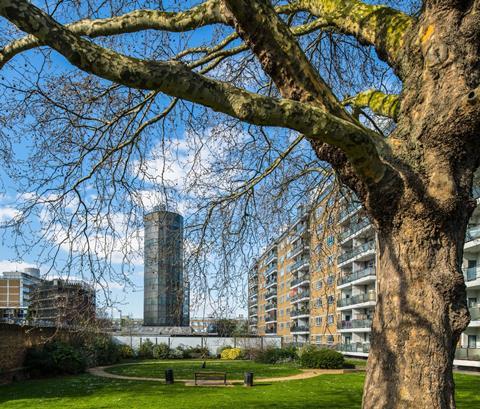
(421, 310)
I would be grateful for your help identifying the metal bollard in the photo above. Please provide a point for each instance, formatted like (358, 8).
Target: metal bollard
(169, 376)
(248, 380)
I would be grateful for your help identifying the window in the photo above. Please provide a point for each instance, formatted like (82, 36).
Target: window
(288, 312)
(318, 321)
(330, 299)
(472, 341)
(330, 260)
(330, 280)
(330, 319)
(319, 284)
(330, 241)
(281, 313)
(318, 303)
(318, 339)
(330, 339)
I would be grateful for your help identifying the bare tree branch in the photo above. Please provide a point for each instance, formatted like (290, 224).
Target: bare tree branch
(175, 79)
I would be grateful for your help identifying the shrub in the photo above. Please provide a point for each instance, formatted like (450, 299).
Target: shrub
(176, 354)
(199, 352)
(55, 358)
(126, 352)
(231, 353)
(161, 351)
(104, 351)
(272, 355)
(322, 358)
(146, 349)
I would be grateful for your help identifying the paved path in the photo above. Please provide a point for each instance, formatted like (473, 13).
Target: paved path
(306, 373)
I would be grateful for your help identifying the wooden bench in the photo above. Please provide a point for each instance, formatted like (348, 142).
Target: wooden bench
(211, 376)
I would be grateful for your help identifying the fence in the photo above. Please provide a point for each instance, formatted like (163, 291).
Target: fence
(213, 343)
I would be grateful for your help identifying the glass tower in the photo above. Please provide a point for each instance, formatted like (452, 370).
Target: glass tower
(165, 292)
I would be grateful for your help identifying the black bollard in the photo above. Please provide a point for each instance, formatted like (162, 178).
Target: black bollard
(248, 380)
(169, 376)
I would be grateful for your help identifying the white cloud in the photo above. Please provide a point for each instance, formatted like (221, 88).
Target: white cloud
(8, 213)
(7, 265)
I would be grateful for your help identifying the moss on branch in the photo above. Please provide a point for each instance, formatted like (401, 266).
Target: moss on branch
(382, 104)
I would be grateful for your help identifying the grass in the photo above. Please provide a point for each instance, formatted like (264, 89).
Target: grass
(185, 369)
(86, 391)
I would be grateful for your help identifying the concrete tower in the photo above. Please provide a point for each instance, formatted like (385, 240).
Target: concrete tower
(165, 293)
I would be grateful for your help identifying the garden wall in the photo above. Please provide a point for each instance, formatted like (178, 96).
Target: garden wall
(213, 343)
(14, 342)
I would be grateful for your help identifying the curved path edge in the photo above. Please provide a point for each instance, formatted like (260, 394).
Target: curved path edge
(305, 374)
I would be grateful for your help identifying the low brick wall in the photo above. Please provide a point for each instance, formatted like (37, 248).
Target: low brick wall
(14, 342)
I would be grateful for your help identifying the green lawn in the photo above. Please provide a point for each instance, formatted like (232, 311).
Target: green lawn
(86, 391)
(185, 369)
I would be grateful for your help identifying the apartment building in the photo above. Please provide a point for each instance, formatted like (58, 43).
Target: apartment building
(292, 291)
(326, 262)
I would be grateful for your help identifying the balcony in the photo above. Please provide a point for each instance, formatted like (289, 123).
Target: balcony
(297, 250)
(354, 229)
(270, 294)
(369, 271)
(474, 314)
(471, 274)
(354, 324)
(295, 329)
(270, 283)
(270, 306)
(357, 299)
(304, 262)
(272, 269)
(270, 258)
(363, 248)
(473, 233)
(300, 312)
(468, 354)
(270, 318)
(300, 296)
(271, 330)
(356, 347)
(301, 280)
(350, 209)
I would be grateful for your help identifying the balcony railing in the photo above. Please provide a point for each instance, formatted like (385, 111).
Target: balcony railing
(297, 264)
(271, 269)
(299, 328)
(271, 257)
(270, 306)
(354, 324)
(271, 294)
(473, 233)
(472, 273)
(298, 249)
(476, 192)
(369, 271)
(299, 280)
(349, 210)
(299, 296)
(474, 313)
(369, 245)
(470, 354)
(270, 317)
(357, 299)
(354, 229)
(357, 347)
(271, 330)
(296, 313)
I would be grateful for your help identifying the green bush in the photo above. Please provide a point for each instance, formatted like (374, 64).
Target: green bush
(161, 351)
(55, 358)
(321, 358)
(146, 349)
(272, 355)
(126, 352)
(105, 351)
